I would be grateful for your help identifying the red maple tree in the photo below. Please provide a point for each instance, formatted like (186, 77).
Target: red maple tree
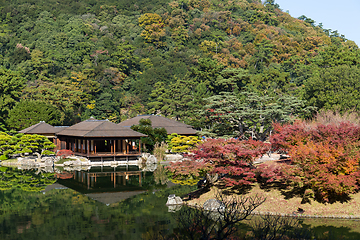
(233, 159)
(324, 157)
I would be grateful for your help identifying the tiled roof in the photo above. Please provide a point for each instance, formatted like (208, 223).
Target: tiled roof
(40, 128)
(98, 128)
(170, 125)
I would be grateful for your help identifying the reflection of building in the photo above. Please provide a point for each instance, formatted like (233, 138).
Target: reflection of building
(93, 180)
(103, 178)
(105, 184)
(170, 125)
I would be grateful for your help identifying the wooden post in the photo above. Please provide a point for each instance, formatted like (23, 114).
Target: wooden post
(139, 145)
(127, 148)
(114, 147)
(123, 146)
(88, 148)
(58, 146)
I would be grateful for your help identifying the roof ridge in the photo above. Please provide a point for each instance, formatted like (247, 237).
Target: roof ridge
(90, 130)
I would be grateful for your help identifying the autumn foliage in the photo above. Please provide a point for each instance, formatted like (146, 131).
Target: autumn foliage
(324, 157)
(232, 159)
(64, 153)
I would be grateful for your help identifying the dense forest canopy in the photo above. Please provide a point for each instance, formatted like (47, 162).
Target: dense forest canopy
(116, 59)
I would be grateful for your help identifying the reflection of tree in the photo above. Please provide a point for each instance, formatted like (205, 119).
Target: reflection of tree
(160, 175)
(29, 181)
(66, 214)
(78, 217)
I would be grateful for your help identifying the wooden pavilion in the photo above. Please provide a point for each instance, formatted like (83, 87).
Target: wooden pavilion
(45, 129)
(100, 140)
(170, 125)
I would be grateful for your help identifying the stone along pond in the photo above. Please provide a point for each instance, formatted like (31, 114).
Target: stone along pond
(121, 202)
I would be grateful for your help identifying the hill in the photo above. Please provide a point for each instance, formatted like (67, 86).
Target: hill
(116, 59)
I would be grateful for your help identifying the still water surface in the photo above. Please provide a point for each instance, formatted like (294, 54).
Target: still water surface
(103, 203)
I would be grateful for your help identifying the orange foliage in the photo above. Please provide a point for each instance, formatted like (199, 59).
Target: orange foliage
(324, 156)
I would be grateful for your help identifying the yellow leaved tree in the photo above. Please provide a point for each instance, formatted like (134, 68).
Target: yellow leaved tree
(154, 31)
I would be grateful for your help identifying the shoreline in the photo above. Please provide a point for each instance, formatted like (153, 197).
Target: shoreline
(277, 205)
(259, 213)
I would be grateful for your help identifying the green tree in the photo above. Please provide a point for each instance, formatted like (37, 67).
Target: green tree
(271, 82)
(263, 54)
(334, 88)
(105, 107)
(231, 80)
(154, 135)
(29, 112)
(124, 58)
(333, 56)
(206, 73)
(173, 100)
(33, 143)
(11, 84)
(249, 115)
(68, 96)
(24, 143)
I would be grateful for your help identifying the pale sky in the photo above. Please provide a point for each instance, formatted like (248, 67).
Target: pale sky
(343, 16)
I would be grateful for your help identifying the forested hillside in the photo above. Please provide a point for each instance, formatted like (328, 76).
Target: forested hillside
(223, 66)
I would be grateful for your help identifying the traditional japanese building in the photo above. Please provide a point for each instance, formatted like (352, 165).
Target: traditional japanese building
(100, 140)
(170, 125)
(45, 129)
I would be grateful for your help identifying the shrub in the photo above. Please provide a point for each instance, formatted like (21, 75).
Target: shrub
(179, 143)
(189, 169)
(324, 156)
(24, 143)
(64, 153)
(231, 158)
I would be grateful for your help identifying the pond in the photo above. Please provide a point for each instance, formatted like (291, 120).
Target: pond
(104, 203)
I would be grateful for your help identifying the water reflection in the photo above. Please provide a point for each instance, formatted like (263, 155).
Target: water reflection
(104, 179)
(31, 180)
(107, 185)
(103, 203)
(73, 206)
